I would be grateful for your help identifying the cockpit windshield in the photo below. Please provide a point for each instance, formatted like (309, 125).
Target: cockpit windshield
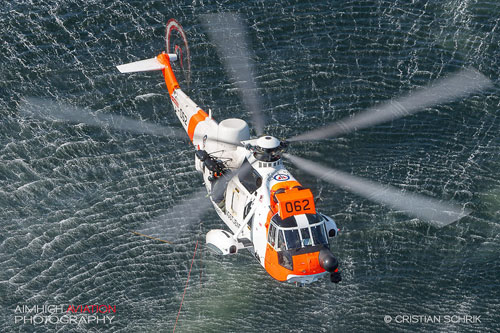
(319, 234)
(287, 234)
(306, 237)
(292, 238)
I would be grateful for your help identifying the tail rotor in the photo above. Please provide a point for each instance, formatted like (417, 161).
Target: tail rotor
(176, 43)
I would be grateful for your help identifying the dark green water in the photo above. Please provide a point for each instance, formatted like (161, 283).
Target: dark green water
(69, 194)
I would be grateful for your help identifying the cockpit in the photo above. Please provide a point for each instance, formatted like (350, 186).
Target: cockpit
(297, 232)
(296, 235)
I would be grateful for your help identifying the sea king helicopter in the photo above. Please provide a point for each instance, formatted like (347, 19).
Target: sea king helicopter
(266, 209)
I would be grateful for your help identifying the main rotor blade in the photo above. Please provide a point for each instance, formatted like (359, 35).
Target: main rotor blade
(424, 208)
(227, 33)
(50, 110)
(456, 86)
(177, 219)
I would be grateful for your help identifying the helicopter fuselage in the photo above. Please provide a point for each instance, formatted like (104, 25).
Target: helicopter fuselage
(266, 209)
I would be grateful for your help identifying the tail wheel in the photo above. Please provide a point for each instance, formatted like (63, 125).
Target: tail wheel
(176, 42)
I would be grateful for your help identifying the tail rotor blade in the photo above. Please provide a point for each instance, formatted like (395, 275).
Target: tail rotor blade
(416, 205)
(50, 110)
(453, 87)
(227, 33)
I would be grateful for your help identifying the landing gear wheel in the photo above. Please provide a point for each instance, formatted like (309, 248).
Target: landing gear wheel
(176, 42)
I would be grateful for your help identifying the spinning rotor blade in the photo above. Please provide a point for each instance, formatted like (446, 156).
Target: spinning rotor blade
(220, 186)
(49, 110)
(227, 33)
(46, 109)
(445, 90)
(178, 219)
(416, 205)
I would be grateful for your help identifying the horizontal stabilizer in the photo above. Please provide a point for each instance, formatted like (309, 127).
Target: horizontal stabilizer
(152, 64)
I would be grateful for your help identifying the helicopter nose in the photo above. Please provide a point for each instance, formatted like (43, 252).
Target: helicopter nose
(327, 261)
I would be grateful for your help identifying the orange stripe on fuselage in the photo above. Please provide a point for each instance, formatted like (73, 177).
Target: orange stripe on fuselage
(168, 74)
(194, 120)
(172, 85)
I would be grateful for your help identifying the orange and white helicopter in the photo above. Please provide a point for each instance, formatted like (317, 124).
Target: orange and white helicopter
(266, 209)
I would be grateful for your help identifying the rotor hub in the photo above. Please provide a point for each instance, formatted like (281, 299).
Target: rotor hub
(268, 142)
(268, 149)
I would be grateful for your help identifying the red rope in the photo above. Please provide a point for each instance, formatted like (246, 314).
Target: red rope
(185, 288)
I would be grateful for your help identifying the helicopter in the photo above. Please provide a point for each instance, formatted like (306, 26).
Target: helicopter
(266, 209)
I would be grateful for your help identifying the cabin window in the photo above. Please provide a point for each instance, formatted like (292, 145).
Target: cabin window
(232, 199)
(249, 177)
(271, 237)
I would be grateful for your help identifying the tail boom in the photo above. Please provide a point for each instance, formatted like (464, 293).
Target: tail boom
(168, 73)
(195, 121)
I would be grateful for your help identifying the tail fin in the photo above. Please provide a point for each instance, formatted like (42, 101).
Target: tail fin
(152, 64)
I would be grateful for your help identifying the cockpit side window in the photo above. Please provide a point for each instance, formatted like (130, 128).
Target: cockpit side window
(281, 241)
(271, 236)
(319, 235)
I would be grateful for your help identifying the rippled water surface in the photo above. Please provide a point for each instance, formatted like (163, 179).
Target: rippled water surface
(71, 193)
